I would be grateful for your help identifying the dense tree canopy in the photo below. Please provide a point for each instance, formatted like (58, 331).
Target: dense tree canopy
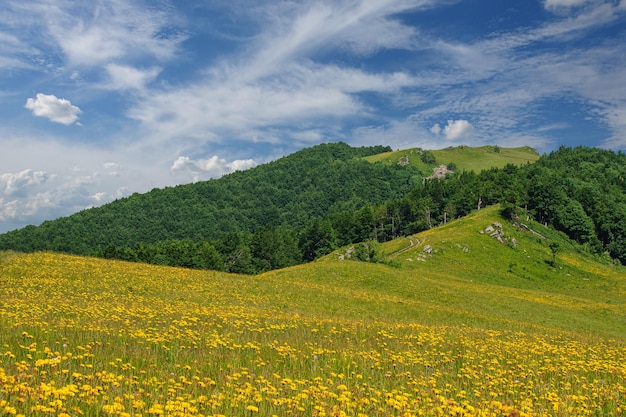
(303, 206)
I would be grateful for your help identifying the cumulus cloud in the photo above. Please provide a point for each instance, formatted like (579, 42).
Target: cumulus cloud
(102, 197)
(56, 109)
(36, 196)
(15, 183)
(436, 129)
(19, 210)
(209, 168)
(455, 129)
(8, 210)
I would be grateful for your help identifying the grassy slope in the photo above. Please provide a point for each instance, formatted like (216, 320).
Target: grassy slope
(465, 158)
(468, 279)
(471, 278)
(474, 332)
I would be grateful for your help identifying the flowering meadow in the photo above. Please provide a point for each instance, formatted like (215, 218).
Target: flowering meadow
(89, 337)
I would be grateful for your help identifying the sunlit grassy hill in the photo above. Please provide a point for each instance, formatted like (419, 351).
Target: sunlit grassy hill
(471, 327)
(462, 275)
(464, 157)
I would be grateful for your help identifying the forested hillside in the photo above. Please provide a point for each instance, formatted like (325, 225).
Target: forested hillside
(288, 193)
(579, 191)
(303, 206)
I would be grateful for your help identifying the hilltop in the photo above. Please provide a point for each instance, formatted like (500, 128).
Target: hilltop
(463, 158)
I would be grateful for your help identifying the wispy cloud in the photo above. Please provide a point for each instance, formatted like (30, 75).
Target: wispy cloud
(556, 4)
(113, 42)
(122, 77)
(101, 32)
(502, 81)
(276, 82)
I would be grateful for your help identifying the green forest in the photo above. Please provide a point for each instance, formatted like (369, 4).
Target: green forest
(307, 204)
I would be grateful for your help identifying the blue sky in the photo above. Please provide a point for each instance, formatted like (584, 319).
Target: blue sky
(101, 99)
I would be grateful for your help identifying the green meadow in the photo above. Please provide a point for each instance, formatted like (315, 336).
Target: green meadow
(453, 322)
(464, 157)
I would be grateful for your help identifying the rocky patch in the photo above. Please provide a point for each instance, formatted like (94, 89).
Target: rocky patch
(496, 231)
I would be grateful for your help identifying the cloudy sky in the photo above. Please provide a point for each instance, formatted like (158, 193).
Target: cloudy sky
(104, 98)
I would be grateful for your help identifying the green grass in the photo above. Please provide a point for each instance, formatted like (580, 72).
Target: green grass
(470, 277)
(485, 157)
(465, 157)
(475, 328)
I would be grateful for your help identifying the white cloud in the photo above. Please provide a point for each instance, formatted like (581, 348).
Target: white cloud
(115, 44)
(66, 177)
(111, 165)
(510, 83)
(208, 111)
(455, 129)
(56, 109)
(16, 212)
(616, 118)
(13, 52)
(231, 105)
(357, 26)
(61, 194)
(15, 183)
(106, 31)
(209, 168)
(100, 197)
(402, 134)
(275, 83)
(124, 77)
(555, 4)
(8, 210)
(241, 164)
